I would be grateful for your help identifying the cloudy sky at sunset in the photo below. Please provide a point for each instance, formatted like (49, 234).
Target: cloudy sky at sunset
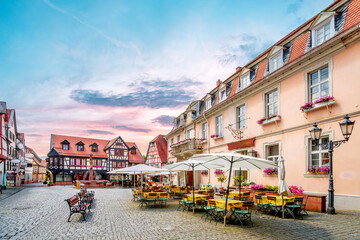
(101, 69)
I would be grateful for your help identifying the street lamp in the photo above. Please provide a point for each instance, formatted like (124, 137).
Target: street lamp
(346, 128)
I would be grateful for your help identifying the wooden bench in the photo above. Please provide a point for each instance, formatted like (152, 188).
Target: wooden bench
(76, 206)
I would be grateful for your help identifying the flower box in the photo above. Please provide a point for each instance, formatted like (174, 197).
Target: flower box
(319, 103)
(268, 120)
(271, 171)
(204, 173)
(319, 170)
(215, 136)
(219, 172)
(296, 189)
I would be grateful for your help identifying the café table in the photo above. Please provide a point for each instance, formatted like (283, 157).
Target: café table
(197, 197)
(146, 195)
(220, 203)
(278, 199)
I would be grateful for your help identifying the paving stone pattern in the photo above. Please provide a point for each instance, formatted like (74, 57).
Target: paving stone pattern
(41, 213)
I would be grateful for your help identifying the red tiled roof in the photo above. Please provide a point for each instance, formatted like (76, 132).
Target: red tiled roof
(111, 142)
(261, 71)
(161, 145)
(353, 15)
(135, 158)
(298, 47)
(57, 139)
(7, 116)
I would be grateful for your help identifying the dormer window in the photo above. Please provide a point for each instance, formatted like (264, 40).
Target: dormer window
(133, 151)
(65, 145)
(244, 81)
(276, 61)
(80, 146)
(323, 28)
(94, 147)
(208, 103)
(222, 94)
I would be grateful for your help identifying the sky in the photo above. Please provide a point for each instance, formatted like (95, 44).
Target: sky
(107, 68)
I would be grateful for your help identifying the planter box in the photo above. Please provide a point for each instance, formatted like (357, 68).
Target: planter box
(271, 175)
(315, 203)
(320, 105)
(311, 175)
(272, 120)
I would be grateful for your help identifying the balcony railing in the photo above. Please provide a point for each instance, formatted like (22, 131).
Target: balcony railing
(187, 148)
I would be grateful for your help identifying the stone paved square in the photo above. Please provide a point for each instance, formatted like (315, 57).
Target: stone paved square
(41, 213)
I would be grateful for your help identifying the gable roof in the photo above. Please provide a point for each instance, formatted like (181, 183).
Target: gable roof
(36, 158)
(160, 143)
(58, 139)
(135, 158)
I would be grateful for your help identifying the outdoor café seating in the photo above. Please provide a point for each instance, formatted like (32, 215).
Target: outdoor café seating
(243, 214)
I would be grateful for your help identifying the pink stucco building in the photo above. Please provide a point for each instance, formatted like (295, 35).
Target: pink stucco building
(262, 100)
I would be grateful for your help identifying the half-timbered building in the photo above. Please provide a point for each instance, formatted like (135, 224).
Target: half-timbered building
(69, 157)
(157, 152)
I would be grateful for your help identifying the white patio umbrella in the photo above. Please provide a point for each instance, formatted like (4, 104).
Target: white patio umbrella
(233, 160)
(140, 169)
(15, 161)
(282, 186)
(191, 165)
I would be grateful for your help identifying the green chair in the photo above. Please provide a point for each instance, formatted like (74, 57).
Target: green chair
(243, 215)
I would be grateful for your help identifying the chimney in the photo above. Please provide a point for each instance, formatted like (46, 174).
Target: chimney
(238, 69)
(218, 82)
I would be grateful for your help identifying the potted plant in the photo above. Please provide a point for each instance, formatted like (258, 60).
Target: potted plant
(238, 179)
(296, 190)
(262, 120)
(324, 99)
(214, 136)
(221, 179)
(307, 106)
(258, 187)
(204, 172)
(219, 172)
(270, 171)
(318, 170)
(50, 183)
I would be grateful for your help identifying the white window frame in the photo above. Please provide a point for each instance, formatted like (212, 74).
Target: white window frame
(219, 125)
(204, 130)
(307, 144)
(207, 103)
(272, 158)
(190, 133)
(314, 68)
(222, 94)
(315, 31)
(244, 81)
(272, 103)
(278, 56)
(240, 118)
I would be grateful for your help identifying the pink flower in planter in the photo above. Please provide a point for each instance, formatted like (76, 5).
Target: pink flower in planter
(296, 189)
(219, 172)
(271, 171)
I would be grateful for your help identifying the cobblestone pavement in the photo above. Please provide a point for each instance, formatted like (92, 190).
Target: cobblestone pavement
(9, 191)
(41, 213)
